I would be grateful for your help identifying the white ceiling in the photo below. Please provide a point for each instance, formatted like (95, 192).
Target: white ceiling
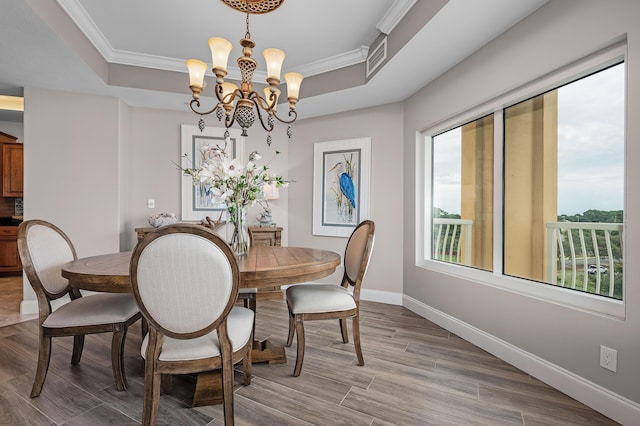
(317, 36)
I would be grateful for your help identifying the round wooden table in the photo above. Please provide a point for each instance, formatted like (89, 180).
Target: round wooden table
(263, 266)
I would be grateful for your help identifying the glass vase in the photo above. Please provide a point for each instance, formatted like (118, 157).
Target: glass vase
(239, 239)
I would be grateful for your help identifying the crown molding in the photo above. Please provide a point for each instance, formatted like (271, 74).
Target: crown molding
(82, 19)
(394, 15)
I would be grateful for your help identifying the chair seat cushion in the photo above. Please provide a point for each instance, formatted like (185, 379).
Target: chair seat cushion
(316, 298)
(239, 328)
(95, 309)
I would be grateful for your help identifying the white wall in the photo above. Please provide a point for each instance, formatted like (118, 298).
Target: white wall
(384, 125)
(540, 336)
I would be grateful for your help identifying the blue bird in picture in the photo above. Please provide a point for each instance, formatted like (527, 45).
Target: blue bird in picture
(346, 183)
(347, 188)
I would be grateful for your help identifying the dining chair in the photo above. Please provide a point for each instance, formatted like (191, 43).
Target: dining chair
(185, 279)
(307, 302)
(43, 249)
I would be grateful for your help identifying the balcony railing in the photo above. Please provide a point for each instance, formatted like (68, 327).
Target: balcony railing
(451, 238)
(579, 250)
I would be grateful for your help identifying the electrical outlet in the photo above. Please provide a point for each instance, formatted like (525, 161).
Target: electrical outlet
(151, 204)
(608, 358)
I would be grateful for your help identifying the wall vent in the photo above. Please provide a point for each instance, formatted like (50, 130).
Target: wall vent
(376, 57)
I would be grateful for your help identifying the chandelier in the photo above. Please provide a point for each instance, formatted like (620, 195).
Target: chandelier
(242, 104)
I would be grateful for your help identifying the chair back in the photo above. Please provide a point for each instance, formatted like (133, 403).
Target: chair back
(43, 249)
(358, 253)
(185, 279)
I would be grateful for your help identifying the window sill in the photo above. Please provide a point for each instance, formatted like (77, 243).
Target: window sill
(566, 297)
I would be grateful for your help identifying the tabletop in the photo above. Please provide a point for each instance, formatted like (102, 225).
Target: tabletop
(263, 266)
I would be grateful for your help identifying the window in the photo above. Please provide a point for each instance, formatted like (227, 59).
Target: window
(563, 187)
(463, 195)
(532, 192)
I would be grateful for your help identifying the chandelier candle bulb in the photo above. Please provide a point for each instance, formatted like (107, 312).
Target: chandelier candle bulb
(274, 59)
(220, 49)
(197, 69)
(294, 80)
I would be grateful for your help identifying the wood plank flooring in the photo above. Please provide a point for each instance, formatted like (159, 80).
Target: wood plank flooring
(10, 298)
(416, 373)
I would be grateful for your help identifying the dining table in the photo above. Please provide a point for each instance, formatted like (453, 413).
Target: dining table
(262, 266)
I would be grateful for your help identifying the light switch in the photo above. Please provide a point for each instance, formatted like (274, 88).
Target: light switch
(151, 204)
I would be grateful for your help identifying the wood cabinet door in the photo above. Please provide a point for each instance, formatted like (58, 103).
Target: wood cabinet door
(9, 257)
(12, 169)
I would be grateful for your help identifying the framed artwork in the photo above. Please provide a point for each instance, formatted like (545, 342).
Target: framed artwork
(197, 202)
(341, 174)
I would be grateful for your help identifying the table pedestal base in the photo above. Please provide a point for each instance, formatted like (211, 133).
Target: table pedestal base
(209, 384)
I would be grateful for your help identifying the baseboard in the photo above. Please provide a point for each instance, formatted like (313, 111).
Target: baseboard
(612, 405)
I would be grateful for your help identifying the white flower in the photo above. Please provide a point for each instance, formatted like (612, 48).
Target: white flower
(231, 168)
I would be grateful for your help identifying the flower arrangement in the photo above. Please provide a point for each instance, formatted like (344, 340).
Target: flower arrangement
(237, 186)
(230, 182)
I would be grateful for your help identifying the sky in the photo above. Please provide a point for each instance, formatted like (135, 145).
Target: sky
(590, 148)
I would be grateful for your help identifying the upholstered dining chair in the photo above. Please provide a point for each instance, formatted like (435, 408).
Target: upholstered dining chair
(185, 279)
(43, 249)
(308, 302)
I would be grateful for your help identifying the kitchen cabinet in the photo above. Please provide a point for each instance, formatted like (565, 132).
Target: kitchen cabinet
(12, 169)
(12, 164)
(9, 257)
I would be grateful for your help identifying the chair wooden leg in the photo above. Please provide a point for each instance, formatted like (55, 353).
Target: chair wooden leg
(247, 363)
(78, 345)
(44, 356)
(292, 328)
(299, 326)
(166, 381)
(356, 339)
(151, 399)
(117, 357)
(227, 389)
(343, 330)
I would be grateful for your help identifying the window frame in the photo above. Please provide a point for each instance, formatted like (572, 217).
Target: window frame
(424, 198)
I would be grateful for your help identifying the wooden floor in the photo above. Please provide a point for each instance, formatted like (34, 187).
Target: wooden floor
(10, 298)
(416, 373)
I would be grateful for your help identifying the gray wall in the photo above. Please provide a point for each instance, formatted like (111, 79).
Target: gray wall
(560, 32)
(384, 125)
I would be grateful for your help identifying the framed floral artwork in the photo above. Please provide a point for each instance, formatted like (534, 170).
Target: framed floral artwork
(341, 174)
(197, 201)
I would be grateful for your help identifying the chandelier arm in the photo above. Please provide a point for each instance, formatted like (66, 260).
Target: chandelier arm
(292, 112)
(269, 126)
(196, 102)
(229, 120)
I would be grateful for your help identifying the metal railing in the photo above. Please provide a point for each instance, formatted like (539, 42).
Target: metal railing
(451, 238)
(575, 252)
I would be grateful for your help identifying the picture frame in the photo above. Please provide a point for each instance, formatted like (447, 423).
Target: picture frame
(341, 177)
(196, 203)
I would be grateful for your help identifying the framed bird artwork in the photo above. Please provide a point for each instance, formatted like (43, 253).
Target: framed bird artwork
(341, 186)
